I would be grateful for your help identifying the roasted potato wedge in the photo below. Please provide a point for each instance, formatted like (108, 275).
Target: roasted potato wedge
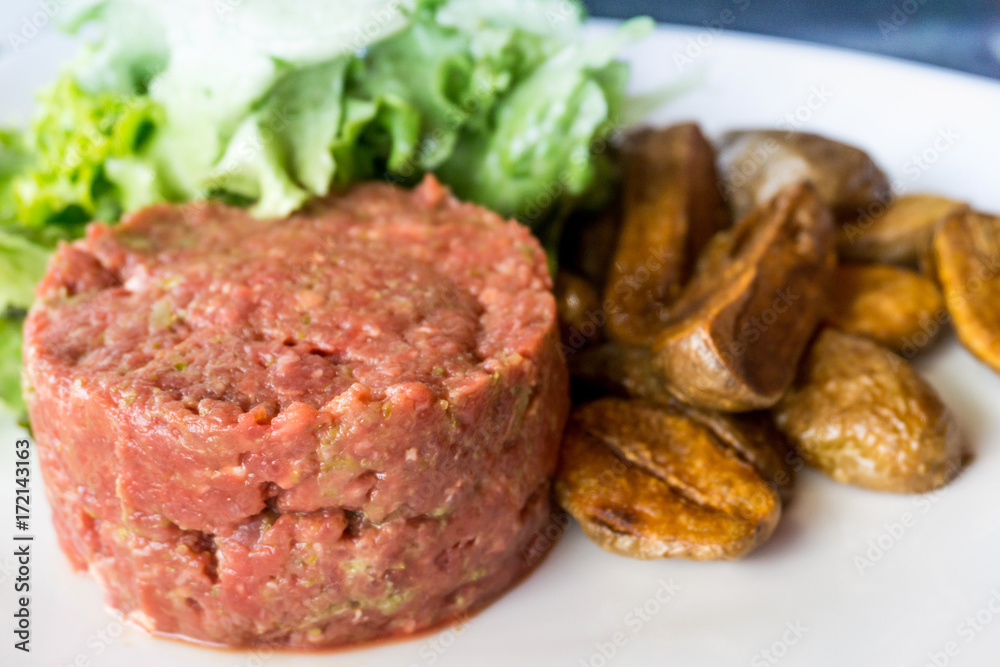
(758, 164)
(580, 319)
(754, 437)
(899, 234)
(735, 336)
(620, 370)
(628, 371)
(671, 207)
(862, 415)
(897, 307)
(650, 482)
(588, 243)
(966, 257)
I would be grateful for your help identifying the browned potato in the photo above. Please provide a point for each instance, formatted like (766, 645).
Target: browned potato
(862, 415)
(966, 257)
(899, 234)
(579, 307)
(671, 207)
(628, 371)
(649, 482)
(758, 164)
(588, 242)
(623, 370)
(896, 307)
(736, 334)
(754, 437)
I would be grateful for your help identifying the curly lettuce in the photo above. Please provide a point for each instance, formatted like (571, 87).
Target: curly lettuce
(86, 158)
(267, 104)
(254, 102)
(22, 263)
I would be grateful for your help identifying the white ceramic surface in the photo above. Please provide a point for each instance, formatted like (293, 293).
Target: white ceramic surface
(849, 578)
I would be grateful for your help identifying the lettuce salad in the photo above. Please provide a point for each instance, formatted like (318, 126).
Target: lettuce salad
(265, 104)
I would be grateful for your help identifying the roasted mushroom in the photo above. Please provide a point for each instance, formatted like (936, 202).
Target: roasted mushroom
(862, 415)
(671, 207)
(896, 307)
(758, 164)
(735, 336)
(899, 234)
(966, 256)
(649, 482)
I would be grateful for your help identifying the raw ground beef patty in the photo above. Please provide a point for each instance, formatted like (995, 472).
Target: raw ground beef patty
(306, 432)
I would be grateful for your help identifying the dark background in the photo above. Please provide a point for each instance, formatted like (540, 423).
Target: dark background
(959, 34)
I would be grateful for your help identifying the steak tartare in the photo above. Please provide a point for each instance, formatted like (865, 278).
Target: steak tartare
(309, 432)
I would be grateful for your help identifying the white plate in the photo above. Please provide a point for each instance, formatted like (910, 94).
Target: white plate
(849, 578)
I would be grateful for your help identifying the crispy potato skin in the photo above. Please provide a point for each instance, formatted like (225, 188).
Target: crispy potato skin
(736, 334)
(888, 304)
(649, 482)
(620, 370)
(900, 234)
(862, 415)
(628, 371)
(588, 242)
(576, 301)
(671, 208)
(966, 257)
(757, 164)
(755, 439)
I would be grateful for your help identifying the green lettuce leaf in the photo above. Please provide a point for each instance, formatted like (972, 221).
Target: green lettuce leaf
(502, 99)
(71, 143)
(14, 159)
(10, 365)
(266, 103)
(538, 151)
(22, 264)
